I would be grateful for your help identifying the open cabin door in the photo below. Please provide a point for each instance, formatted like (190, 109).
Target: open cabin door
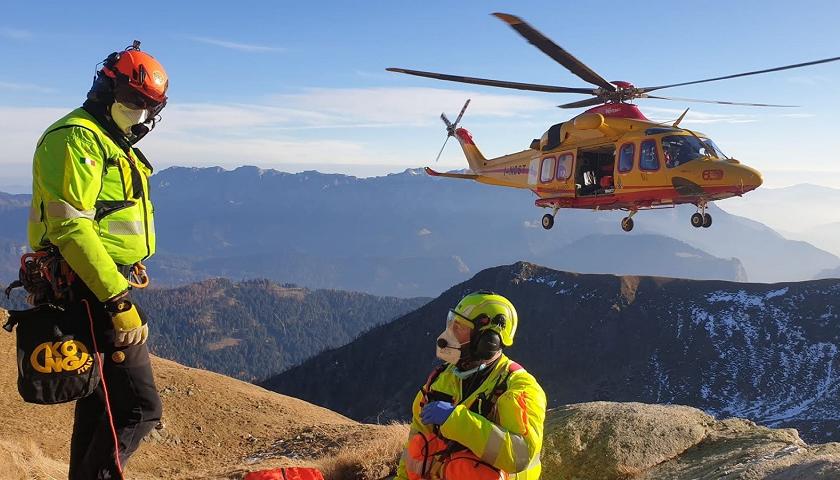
(595, 171)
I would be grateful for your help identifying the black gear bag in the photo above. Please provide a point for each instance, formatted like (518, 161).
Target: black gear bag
(56, 358)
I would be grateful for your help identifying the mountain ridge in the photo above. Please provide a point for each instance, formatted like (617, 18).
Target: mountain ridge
(251, 329)
(760, 351)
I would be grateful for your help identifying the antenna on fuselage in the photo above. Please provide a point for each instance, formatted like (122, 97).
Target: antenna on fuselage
(677, 123)
(451, 127)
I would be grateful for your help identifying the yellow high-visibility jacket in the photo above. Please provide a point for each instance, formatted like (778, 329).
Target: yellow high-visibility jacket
(90, 198)
(511, 440)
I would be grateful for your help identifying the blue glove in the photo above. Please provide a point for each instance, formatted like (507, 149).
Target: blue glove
(436, 413)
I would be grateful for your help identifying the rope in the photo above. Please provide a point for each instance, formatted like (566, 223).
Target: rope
(105, 390)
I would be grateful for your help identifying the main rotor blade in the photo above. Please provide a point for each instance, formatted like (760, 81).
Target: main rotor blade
(756, 72)
(554, 51)
(582, 103)
(720, 102)
(494, 83)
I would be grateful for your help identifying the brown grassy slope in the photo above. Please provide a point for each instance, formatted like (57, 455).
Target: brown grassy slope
(215, 427)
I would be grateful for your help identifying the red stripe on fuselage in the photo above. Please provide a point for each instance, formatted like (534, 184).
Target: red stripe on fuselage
(641, 199)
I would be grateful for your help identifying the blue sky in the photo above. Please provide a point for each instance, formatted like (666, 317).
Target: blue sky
(301, 85)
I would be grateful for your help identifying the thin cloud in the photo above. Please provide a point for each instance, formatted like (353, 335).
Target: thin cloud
(15, 33)
(24, 87)
(410, 106)
(809, 80)
(797, 115)
(698, 117)
(346, 108)
(242, 47)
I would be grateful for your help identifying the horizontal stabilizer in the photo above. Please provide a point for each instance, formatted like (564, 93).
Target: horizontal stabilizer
(465, 176)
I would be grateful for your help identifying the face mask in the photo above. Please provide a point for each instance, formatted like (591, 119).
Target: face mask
(125, 117)
(448, 347)
(466, 373)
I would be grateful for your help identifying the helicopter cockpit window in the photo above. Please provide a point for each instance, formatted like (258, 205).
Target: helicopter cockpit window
(714, 147)
(648, 158)
(547, 172)
(680, 149)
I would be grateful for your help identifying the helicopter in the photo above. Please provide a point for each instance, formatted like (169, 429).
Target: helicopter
(611, 157)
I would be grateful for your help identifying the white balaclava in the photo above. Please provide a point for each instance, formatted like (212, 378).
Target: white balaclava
(448, 347)
(125, 117)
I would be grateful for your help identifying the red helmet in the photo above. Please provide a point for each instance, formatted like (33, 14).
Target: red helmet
(139, 79)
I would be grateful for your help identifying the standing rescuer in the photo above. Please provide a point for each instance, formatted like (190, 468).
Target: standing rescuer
(479, 415)
(90, 200)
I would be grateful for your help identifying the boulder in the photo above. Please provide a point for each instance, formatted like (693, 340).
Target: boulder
(607, 440)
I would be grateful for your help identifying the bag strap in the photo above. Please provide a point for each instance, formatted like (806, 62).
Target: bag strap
(10, 324)
(501, 387)
(427, 387)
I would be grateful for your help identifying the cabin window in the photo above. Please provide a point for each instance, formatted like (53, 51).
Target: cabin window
(625, 159)
(564, 166)
(547, 171)
(648, 158)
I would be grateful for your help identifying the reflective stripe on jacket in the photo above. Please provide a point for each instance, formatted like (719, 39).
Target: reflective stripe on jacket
(90, 198)
(510, 439)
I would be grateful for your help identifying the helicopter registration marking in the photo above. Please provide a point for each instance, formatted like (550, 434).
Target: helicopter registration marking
(713, 174)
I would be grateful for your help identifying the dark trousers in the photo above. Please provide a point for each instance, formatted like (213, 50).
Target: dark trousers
(134, 400)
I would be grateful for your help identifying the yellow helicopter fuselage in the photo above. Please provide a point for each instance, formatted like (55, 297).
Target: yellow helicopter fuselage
(612, 157)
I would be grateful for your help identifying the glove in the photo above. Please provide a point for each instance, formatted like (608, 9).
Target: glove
(131, 329)
(436, 413)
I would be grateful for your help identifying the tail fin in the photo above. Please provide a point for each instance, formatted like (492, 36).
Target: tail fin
(475, 159)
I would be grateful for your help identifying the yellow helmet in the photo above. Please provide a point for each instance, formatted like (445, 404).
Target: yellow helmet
(488, 311)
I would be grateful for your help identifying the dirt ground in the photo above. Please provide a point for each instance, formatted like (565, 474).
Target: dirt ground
(214, 427)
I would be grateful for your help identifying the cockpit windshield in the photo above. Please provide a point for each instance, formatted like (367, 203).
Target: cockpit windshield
(718, 153)
(680, 149)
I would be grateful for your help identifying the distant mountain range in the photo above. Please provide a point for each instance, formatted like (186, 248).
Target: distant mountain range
(764, 352)
(253, 329)
(801, 212)
(409, 234)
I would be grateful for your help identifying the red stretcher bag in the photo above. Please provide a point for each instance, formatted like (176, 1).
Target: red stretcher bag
(291, 473)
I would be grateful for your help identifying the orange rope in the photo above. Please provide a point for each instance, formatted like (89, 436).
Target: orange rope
(107, 396)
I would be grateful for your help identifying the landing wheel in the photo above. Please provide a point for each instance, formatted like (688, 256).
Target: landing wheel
(707, 220)
(548, 221)
(627, 224)
(697, 220)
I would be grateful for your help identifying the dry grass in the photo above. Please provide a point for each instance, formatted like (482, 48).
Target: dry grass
(28, 462)
(372, 460)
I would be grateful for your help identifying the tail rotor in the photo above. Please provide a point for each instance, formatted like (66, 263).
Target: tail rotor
(451, 127)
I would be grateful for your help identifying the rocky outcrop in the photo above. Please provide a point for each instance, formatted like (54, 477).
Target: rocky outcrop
(618, 441)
